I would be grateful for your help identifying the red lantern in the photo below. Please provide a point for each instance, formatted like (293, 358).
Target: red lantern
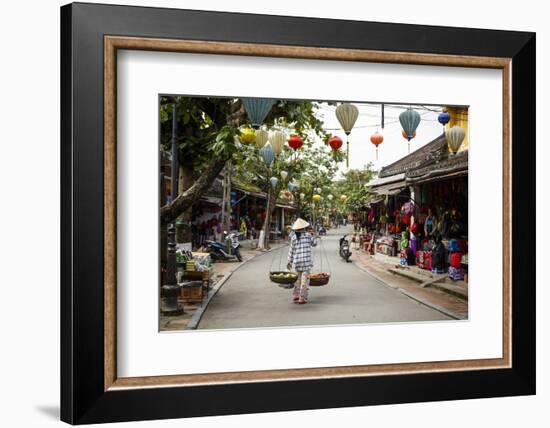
(414, 228)
(376, 139)
(295, 142)
(335, 142)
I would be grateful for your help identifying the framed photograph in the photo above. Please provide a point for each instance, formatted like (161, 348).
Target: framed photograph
(268, 213)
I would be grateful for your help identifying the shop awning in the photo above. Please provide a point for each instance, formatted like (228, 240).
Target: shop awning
(389, 190)
(397, 178)
(286, 207)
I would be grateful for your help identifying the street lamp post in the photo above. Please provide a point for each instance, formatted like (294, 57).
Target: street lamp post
(170, 291)
(175, 168)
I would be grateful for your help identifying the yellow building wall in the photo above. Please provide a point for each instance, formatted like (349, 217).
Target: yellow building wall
(459, 116)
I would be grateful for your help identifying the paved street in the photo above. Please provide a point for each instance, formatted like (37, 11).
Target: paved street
(249, 299)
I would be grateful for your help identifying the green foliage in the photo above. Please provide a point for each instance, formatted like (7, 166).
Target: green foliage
(353, 186)
(224, 144)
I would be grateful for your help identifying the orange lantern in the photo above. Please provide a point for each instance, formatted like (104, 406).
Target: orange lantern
(405, 136)
(376, 139)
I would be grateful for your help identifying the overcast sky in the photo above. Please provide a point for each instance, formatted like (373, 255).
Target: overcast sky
(394, 146)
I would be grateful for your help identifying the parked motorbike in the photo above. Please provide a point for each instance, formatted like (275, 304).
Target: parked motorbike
(228, 250)
(345, 253)
(322, 230)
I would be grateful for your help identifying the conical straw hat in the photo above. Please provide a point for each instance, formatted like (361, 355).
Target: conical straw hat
(300, 224)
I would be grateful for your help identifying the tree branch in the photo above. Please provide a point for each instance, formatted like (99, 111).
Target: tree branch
(185, 200)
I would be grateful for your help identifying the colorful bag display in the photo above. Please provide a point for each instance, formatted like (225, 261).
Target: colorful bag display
(420, 259)
(427, 260)
(453, 246)
(403, 257)
(455, 259)
(456, 274)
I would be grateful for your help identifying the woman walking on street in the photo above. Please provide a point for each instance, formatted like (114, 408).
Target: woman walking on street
(299, 254)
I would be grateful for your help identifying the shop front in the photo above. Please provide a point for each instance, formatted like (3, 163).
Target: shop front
(419, 210)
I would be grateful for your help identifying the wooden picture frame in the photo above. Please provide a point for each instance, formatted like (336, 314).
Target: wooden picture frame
(91, 390)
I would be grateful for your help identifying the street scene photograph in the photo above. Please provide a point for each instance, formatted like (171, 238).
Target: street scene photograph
(283, 212)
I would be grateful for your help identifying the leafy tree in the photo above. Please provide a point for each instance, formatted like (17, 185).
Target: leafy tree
(353, 186)
(309, 167)
(206, 131)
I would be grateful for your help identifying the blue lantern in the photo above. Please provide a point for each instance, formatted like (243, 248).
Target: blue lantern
(444, 118)
(410, 119)
(267, 153)
(274, 181)
(257, 109)
(292, 186)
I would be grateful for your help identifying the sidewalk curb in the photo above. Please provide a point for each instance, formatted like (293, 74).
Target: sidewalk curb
(413, 297)
(199, 312)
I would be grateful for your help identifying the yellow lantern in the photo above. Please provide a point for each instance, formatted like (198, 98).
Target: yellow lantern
(343, 198)
(316, 198)
(248, 136)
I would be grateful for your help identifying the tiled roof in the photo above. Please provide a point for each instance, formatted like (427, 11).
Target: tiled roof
(431, 160)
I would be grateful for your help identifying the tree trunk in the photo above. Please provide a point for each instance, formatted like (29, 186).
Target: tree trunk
(185, 200)
(271, 201)
(226, 201)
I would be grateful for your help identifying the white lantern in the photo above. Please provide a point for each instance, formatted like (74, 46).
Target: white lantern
(284, 174)
(455, 136)
(347, 115)
(262, 136)
(277, 140)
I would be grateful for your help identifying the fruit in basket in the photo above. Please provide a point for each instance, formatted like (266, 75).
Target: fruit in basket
(283, 275)
(320, 275)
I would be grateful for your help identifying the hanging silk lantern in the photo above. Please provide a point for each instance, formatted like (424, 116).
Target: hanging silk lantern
(409, 119)
(302, 195)
(317, 190)
(284, 175)
(444, 118)
(343, 198)
(335, 142)
(292, 186)
(247, 136)
(330, 197)
(277, 140)
(316, 198)
(295, 142)
(376, 139)
(274, 181)
(262, 137)
(347, 115)
(267, 154)
(455, 136)
(257, 109)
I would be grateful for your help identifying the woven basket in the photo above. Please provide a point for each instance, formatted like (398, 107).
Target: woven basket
(278, 280)
(317, 282)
